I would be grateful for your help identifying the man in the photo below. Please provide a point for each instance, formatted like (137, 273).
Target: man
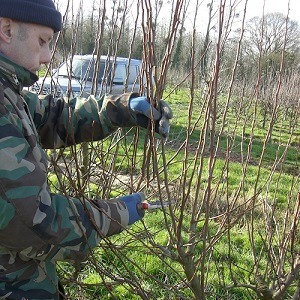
(38, 228)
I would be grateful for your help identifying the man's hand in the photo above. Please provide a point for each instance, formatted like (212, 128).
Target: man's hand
(136, 213)
(143, 112)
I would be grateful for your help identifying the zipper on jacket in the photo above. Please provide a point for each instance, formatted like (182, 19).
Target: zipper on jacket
(12, 75)
(16, 80)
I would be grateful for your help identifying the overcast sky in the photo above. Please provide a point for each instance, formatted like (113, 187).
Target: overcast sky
(254, 7)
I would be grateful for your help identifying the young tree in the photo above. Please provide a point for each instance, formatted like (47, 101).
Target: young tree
(229, 226)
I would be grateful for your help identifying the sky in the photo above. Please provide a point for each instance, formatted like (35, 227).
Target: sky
(254, 8)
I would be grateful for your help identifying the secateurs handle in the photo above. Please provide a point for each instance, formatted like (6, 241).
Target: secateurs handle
(153, 205)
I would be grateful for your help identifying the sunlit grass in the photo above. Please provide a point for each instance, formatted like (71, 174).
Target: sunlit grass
(232, 254)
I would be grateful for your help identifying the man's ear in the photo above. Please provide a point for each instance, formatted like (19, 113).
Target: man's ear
(5, 29)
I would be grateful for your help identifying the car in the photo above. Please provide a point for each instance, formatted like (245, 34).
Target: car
(75, 77)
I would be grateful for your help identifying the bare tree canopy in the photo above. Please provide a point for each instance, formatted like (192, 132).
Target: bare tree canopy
(268, 32)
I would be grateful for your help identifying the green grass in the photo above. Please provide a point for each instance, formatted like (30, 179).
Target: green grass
(230, 259)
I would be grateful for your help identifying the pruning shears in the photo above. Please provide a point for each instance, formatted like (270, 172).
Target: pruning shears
(154, 205)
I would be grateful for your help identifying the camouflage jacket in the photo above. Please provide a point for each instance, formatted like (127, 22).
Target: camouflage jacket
(35, 224)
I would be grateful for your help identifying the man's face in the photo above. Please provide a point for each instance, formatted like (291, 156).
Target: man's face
(29, 45)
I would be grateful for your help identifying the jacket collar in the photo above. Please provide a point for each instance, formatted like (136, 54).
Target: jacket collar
(18, 76)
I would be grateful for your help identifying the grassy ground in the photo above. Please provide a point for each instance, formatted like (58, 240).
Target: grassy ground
(231, 260)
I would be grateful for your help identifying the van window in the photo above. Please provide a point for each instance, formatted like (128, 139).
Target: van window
(100, 73)
(133, 77)
(79, 68)
(120, 71)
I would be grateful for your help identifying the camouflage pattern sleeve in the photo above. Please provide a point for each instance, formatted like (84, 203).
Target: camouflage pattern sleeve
(38, 228)
(35, 224)
(63, 122)
(46, 226)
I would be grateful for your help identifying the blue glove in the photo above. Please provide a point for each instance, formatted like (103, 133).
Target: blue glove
(143, 112)
(131, 201)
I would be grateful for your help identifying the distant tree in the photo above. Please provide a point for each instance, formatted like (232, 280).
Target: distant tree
(269, 34)
(271, 46)
(179, 47)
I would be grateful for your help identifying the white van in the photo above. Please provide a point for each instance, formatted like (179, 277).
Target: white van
(78, 72)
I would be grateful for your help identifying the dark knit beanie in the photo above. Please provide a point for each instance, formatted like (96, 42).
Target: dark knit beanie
(41, 12)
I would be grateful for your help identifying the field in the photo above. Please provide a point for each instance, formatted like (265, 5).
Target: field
(231, 232)
(229, 171)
